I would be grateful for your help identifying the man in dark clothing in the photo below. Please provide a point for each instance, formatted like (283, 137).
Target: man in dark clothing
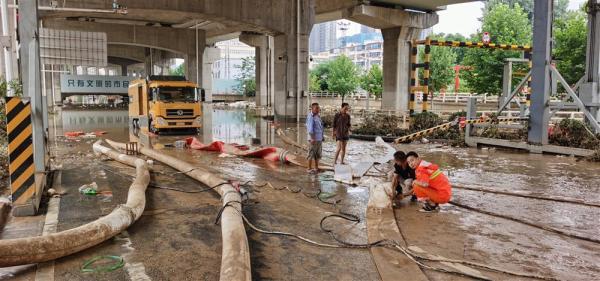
(403, 176)
(341, 131)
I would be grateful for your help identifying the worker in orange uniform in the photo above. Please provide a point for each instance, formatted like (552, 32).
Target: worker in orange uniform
(430, 185)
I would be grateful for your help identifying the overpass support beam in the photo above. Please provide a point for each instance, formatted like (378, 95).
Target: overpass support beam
(193, 59)
(211, 54)
(291, 61)
(264, 66)
(398, 28)
(396, 67)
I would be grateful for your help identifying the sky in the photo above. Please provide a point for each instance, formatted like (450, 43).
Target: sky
(459, 18)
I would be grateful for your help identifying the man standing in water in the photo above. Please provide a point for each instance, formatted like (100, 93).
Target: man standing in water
(314, 128)
(341, 131)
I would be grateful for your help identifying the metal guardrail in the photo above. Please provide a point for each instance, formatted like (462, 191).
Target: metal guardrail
(336, 95)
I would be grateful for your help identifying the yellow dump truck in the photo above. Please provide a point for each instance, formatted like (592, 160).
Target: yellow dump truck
(161, 103)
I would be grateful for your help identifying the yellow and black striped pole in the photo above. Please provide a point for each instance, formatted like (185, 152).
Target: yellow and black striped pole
(530, 65)
(20, 148)
(480, 45)
(426, 74)
(413, 78)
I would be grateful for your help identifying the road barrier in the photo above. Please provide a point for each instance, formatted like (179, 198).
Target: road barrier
(443, 43)
(20, 148)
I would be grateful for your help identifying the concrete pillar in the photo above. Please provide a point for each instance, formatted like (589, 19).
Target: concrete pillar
(396, 67)
(291, 62)
(207, 125)
(210, 55)
(193, 59)
(123, 69)
(31, 79)
(148, 63)
(264, 66)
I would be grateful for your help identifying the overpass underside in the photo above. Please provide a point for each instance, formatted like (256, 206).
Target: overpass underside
(149, 33)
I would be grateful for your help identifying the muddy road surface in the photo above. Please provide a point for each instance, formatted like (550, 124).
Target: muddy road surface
(177, 238)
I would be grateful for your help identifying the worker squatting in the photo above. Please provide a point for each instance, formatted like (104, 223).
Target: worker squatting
(414, 177)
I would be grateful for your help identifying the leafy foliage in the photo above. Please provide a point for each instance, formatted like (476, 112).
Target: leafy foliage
(179, 70)
(314, 84)
(508, 26)
(246, 79)
(343, 76)
(459, 52)
(441, 71)
(372, 81)
(320, 74)
(573, 133)
(570, 35)
(560, 6)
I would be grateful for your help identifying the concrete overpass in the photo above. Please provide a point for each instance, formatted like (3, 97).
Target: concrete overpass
(279, 31)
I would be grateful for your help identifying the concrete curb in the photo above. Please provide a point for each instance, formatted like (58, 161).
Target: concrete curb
(4, 210)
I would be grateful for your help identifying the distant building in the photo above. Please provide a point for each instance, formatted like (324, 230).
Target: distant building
(359, 38)
(367, 29)
(323, 37)
(232, 53)
(363, 55)
(364, 49)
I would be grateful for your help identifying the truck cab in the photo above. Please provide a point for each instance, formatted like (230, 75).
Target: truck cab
(161, 103)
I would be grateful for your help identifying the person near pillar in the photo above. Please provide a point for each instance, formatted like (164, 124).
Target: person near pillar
(314, 127)
(430, 185)
(341, 131)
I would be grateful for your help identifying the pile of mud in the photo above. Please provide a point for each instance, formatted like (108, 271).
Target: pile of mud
(494, 132)
(386, 125)
(574, 133)
(381, 125)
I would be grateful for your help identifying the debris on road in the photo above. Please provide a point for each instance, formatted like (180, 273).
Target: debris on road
(118, 263)
(89, 189)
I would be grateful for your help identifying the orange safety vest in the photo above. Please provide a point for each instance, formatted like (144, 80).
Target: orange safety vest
(430, 173)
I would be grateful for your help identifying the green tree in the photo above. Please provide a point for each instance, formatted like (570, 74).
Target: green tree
(441, 72)
(179, 71)
(560, 6)
(570, 37)
(321, 72)
(459, 52)
(314, 84)
(442, 61)
(372, 81)
(508, 26)
(343, 76)
(246, 79)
